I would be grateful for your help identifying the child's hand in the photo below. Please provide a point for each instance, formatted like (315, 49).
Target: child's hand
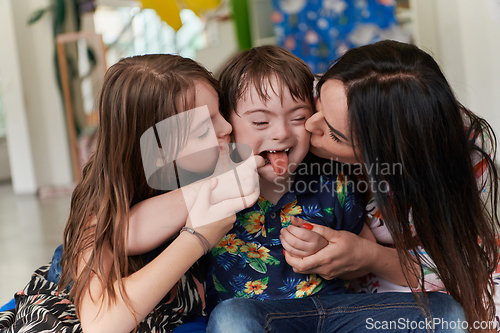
(299, 240)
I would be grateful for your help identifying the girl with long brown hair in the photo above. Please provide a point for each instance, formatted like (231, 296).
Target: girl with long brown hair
(113, 290)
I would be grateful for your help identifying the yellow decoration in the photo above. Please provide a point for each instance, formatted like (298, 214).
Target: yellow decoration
(198, 6)
(167, 10)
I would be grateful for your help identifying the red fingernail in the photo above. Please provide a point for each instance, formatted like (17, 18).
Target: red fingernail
(284, 252)
(308, 226)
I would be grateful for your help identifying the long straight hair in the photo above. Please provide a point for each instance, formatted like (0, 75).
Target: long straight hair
(402, 111)
(137, 93)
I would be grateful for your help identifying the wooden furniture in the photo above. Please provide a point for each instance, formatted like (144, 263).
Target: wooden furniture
(95, 40)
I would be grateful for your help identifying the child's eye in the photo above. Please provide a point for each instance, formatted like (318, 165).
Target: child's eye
(334, 137)
(300, 119)
(204, 135)
(259, 123)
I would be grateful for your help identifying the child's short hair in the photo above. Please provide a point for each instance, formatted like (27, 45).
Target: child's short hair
(256, 67)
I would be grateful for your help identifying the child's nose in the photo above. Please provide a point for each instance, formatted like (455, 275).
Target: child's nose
(281, 131)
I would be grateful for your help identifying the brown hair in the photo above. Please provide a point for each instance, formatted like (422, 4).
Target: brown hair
(137, 93)
(256, 67)
(403, 111)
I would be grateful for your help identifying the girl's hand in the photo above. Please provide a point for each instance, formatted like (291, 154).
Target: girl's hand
(215, 220)
(346, 253)
(299, 240)
(238, 181)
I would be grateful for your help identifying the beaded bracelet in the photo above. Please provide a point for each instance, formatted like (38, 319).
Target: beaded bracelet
(200, 237)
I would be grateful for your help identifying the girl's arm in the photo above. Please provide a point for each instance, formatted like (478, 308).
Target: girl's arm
(147, 286)
(157, 219)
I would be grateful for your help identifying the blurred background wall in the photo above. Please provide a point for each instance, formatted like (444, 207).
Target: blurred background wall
(35, 145)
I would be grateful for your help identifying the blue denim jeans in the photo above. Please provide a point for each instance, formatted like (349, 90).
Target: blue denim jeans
(384, 312)
(54, 273)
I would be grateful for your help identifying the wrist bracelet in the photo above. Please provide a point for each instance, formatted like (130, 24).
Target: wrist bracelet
(200, 238)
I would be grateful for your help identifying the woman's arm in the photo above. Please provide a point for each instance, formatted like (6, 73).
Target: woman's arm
(367, 234)
(348, 255)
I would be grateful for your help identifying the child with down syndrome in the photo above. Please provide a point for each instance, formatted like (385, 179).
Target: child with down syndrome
(267, 99)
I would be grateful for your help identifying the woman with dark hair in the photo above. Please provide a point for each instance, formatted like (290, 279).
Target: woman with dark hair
(389, 104)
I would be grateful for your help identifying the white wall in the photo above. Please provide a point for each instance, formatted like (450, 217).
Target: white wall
(31, 50)
(222, 48)
(463, 36)
(481, 50)
(18, 138)
(42, 97)
(4, 160)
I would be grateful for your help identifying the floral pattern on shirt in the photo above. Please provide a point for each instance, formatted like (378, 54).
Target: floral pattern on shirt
(249, 261)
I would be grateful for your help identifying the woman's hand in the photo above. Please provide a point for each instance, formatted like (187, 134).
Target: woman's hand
(346, 254)
(299, 241)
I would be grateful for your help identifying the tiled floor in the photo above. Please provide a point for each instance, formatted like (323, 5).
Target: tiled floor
(30, 230)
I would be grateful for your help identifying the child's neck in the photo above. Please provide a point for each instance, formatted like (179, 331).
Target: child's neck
(273, 191)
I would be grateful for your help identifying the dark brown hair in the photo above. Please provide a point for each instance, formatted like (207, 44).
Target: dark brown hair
(256, 67)
(137, 93)
(403, 111)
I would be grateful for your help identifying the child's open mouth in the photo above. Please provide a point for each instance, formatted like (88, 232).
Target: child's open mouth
(278, 160)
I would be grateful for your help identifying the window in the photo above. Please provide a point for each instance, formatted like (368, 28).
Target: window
(129, 31)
